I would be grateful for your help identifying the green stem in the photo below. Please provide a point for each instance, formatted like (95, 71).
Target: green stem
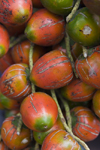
(68, 51)
(64, 122)
(19, 124)
(36, 146)
(18, 40)
(84, 51)
(67, 109)
(69, 17)
(31, 64)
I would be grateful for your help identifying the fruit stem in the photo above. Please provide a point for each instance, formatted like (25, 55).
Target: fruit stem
(19, 124)
(36, 146)
(64, 122)
(84, 51)
(76, 6)
(67, 109)
(19, 39)
(31, 64)
(68, 51)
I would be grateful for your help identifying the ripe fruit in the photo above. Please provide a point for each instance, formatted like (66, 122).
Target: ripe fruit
(77, 91)
(85, 124)
(15, 12)
(58, 140)
(36, 111)
(88, 69)
(53, 70)
(14, 82)
(10, 137)
(45, 28)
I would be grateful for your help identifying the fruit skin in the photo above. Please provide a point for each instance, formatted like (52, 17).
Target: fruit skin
(85, 124)
(10, 137)
(93, 5)
(45, 28)
(40, 136)
(77, 91)
(53, 70)
(88, 68)
(58, 140)
(36, 111)
(62, 7)
(14, 82)
(83, 28)
(96, 103)
(15, 12)
(20, 52)
(4, 41)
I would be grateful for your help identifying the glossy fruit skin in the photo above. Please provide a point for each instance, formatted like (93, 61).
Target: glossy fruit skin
(10, 137)
(53, 70)
(93, 5)
(63, 7)
(45, 28)
(14, 83)
(86, 125)
(58, 140)
(77, 91)
(40, 136)
(20, 52)
(6, 61)
(96, 103)
(15, 12)
(83, 28)
(88, 68)
(36, 111)
(4, 41)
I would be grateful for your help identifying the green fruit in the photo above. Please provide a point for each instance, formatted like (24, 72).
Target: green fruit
(60, 7)
(83, 28)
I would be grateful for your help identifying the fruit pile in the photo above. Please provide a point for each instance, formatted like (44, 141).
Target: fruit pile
(50, 75)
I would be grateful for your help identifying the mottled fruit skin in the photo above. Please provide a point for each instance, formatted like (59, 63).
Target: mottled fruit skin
(84, 29)
(15, 12)
(60, 7)
(60, 140)
(85, 124)
(4, 41)
(96, 103)
(20, 52)
(45, 28)
(14, 82)
(10, 137)
(36, 111)
(88, 69)
(93, 5)
(53, 70)
(77, 91)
